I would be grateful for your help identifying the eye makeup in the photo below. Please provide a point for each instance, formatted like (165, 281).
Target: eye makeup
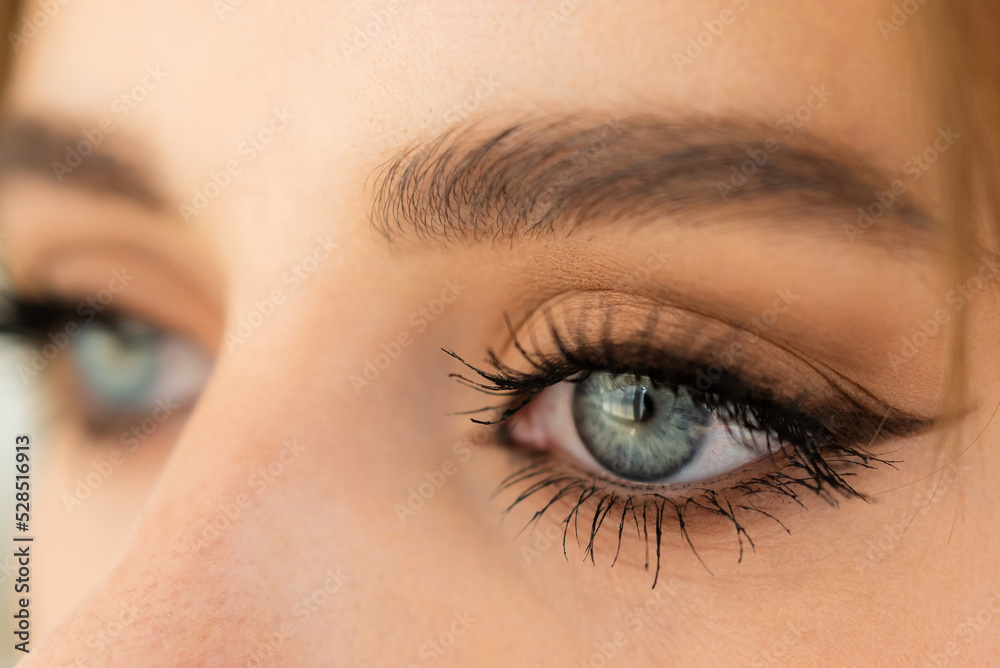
(119, 369)
(785, 425)
(812, 430)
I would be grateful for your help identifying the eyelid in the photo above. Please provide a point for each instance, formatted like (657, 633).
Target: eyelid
(792, 396)
(64, 260)
(112, 284)
(687, 343)
(181, 365)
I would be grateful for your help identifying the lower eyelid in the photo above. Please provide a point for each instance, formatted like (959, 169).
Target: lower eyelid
(635, 524)
(791, 399)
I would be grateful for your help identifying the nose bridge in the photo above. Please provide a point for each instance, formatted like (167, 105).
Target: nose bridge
(232, 552)
(275, 522)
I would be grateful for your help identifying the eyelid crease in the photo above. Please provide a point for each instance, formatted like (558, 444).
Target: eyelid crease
(815, 454)
(627, 333)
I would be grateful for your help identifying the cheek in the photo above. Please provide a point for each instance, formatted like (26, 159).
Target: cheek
(91, 487)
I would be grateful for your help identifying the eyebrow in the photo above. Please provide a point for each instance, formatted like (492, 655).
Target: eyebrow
(68, 158)
(544, 176)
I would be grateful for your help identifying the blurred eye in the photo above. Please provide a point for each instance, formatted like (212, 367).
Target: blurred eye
(639, 431)
(124, 367)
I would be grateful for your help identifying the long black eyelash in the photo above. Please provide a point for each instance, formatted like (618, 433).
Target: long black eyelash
(23, 318)
(541, 475)
(33, 319)
(36, 317)
(816, 459)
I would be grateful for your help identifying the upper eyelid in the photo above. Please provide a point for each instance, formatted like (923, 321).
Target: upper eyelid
(585, 319)
(823, 388)
(35, 317)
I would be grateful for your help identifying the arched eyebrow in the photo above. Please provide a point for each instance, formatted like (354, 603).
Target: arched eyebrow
(545, 176)
(34, 147)
(555, 175)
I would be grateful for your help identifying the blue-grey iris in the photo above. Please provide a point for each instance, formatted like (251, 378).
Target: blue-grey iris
(635, 430)
(118, 366)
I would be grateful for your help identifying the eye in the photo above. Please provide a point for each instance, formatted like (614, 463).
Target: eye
(124, 367)
(631, 428)
(626, 415)
(115, 367)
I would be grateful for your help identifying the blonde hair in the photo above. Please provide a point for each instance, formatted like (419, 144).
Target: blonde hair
(10, 12)
(963, 63)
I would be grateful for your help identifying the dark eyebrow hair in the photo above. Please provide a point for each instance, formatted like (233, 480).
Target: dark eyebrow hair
(54, 154)
(542, 176)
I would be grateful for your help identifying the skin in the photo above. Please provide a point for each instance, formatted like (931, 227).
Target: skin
(891, 582)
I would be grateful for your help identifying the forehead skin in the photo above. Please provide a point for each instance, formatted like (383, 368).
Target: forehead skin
(356, 100)
(355, 104)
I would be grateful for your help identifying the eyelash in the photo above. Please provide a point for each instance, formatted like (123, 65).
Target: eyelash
(814, 458)
(811, 451)
(33, 319)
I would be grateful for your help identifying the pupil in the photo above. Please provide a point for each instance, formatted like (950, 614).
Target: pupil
(633, 403)
(642, 404)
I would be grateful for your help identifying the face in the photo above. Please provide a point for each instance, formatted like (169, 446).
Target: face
(688, 255)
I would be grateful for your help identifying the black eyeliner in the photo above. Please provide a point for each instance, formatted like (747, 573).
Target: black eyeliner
(819, 447)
